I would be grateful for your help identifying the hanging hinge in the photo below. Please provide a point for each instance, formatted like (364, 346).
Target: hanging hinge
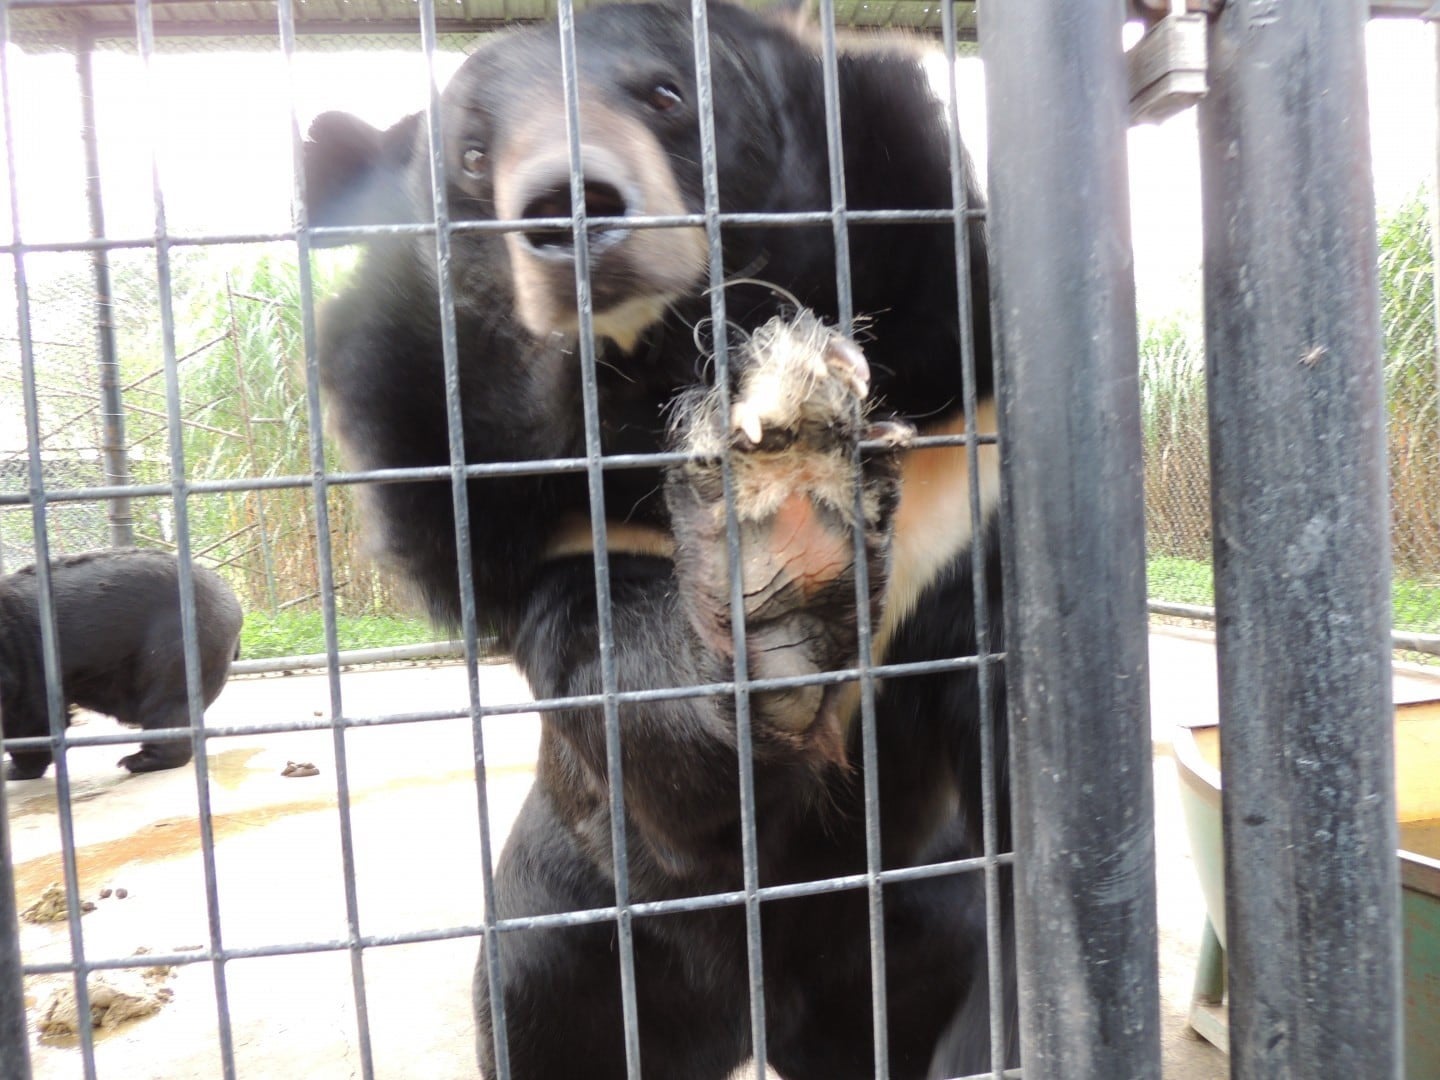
(1152, 11)
(1166, 67)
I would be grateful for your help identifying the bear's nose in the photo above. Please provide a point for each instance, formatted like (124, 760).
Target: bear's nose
(551, 199)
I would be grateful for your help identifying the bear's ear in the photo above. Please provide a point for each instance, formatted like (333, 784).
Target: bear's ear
(355, 174)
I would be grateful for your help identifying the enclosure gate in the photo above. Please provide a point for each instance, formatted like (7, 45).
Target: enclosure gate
(1301, 553)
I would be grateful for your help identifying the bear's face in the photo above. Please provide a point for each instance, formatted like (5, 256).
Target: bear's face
(507, 152)
(507, 156)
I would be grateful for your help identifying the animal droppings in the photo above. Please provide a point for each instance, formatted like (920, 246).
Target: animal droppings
(51, 907)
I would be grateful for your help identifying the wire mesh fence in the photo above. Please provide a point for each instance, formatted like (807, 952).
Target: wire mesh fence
(219, 391)
(215, 328)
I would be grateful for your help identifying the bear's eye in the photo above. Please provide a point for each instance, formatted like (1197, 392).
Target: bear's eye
(473, 162)
(663, 97)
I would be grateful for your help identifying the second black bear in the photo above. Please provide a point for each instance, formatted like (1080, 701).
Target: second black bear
(802, 396)
(117, 621)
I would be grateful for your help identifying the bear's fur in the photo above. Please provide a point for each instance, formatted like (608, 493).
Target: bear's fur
(802, 395)
(119, 646)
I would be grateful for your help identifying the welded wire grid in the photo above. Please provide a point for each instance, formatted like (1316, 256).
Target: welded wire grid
(44, 498)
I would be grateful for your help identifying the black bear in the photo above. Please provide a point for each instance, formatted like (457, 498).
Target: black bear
(802, 397)
(117, 621)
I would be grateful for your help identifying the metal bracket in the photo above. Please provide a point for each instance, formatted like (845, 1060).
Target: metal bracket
(1152, 11)
(1167, 68)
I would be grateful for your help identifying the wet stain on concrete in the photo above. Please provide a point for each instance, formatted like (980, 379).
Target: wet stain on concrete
(231, 768)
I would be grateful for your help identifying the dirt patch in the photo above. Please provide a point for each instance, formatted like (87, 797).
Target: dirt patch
(173, 838)
(170, 838)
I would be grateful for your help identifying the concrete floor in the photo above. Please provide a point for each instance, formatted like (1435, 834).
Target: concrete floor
(415, 822)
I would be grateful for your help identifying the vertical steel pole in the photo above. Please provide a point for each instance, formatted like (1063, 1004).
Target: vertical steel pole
(14, 1037)
(113, 452)
(1302, 566)
(1073, 541)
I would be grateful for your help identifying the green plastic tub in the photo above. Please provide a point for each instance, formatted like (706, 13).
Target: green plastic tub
(1417, 756)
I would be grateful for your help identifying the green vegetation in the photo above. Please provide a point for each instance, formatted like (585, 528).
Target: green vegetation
(248, 416)
(1177, 466)
(1180, 581)
(1417, 606)
(241, 367)
(1190, 581)
(1412, 387)
(1176, 437)
(301, 633)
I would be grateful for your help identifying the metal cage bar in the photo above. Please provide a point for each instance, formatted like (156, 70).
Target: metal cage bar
(869, 742)
(112, 409)
(995, 896)
(609, 677)
(744, 728)
(460, 502)
(1073, 541)
(14, 1029)
(285, 16)
(194, 698)
(1302, 566)
(55, 705)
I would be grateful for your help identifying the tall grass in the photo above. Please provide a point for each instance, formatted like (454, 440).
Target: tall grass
(244, 401)
(1176, 443)
(1172, 386)
(1412, 386)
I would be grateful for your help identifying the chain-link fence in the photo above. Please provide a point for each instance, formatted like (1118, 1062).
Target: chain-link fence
(243, 410)
(1177, 465)
(236, 312)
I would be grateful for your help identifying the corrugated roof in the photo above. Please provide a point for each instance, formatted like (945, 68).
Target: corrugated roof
(44, 25)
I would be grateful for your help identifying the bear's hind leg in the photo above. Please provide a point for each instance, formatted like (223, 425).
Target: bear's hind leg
(27, 764)
(156, 755)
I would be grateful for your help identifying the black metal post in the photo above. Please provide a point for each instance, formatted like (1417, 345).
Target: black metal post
(1302, 566)
(1064, 301)
(14, 1037)
(112, 416)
